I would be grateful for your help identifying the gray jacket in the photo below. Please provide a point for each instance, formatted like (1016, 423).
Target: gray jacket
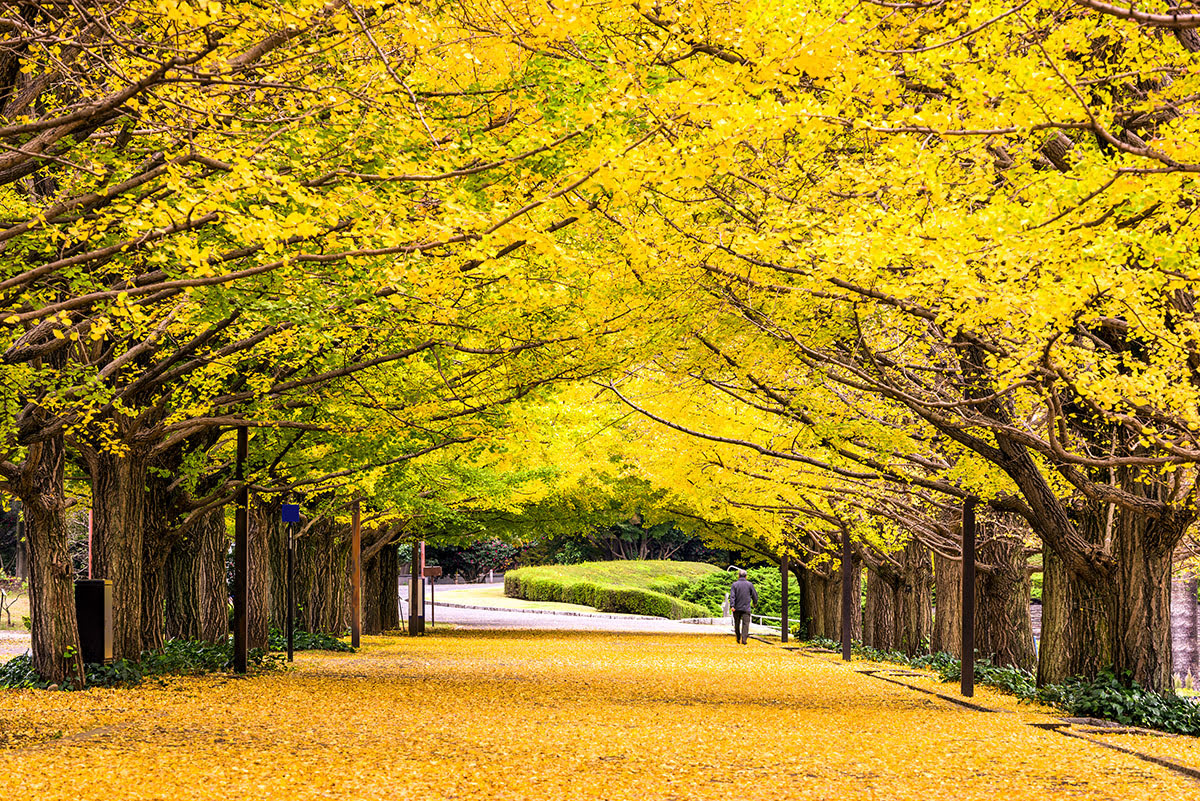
(742, 596)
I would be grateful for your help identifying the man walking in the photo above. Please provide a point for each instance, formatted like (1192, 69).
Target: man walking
(742, 598)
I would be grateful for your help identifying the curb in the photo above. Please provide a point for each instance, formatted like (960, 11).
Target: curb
(604, 615)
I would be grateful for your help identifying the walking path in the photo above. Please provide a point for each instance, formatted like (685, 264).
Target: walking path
(558, 715)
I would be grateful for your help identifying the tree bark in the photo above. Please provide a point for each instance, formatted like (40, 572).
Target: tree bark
(56, 654)
(389, 588)
(181, 587)
(879, 625)
(322, 582)
(1142, 604)
(914, 609)
(1003, 629)
(947, 618)
(212, 576)
(118, 500)
(263, 526)
(1076, 633)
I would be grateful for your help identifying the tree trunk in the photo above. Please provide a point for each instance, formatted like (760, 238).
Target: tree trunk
(389, 588)
(262, 526)
(947, 618)
(212, 576)
(181, 587)
(833, 601)
(879, 625)
(118, 500)
(1142, 603)
(914, 610)
(277, 544)
(323, 588)
(1076, 633)
(372, 591)
(814, 603)
(1003, 629)
(51, 579)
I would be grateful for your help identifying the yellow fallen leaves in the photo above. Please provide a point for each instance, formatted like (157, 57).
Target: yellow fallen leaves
(549, 715)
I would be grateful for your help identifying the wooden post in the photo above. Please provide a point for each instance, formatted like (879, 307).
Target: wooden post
(356, 577)
(847, 594)
(783, 598)
(968, 598)
(241, 560)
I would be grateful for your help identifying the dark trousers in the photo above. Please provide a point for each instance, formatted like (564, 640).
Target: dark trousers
(741, 626)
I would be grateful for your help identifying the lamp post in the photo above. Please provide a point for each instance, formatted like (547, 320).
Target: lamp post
(241, 562)
(968, 597)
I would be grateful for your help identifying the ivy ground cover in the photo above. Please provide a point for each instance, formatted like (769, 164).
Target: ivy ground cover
(547, 715)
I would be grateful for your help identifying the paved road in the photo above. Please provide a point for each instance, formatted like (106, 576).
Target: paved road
(13, 643)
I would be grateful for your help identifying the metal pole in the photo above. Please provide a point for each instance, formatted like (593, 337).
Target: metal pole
(431, 604)
(241, 564)
(783, 598)
(847, 594)
(356, 577)
(968, 597)
(291, 591)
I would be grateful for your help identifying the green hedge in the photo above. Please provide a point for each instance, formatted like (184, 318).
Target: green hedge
(532, 584)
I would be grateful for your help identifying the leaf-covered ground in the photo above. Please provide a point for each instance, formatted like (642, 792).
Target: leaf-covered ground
(548, 715)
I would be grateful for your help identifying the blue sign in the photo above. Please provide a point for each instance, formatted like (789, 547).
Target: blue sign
(291, 513)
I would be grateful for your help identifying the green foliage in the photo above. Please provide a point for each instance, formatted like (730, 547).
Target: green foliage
(629, 587)
(177, 658)
(1107, 697)
(1124, 701)
(306, 641)
(1035, 583)
(569, 554)
(710, 591)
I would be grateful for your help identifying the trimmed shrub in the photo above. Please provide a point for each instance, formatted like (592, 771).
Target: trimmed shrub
(534, 584)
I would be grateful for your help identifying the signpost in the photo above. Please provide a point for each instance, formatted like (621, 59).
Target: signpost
(291, 516)
(416, 591)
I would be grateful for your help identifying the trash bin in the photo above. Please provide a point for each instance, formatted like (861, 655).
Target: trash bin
(93, 610)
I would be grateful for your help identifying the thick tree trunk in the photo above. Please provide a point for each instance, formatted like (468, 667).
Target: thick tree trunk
(1003, 629)
(914, 610)
(51, 579)
(277, 543)
(1077, 635)
(212, 575)
(815, 605)
(263, 526)
(323, 587)
(181, 588)
(947, 618)
(118, 500)
(372, 591)
(389, 588)
(1142, 603)
(879, 625)
(833, 600)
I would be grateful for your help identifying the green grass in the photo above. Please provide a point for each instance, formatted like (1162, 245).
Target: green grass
(636, 587)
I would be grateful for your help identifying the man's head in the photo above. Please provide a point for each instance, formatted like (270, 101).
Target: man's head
(741, 573)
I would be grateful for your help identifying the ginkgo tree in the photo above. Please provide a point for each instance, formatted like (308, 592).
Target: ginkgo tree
(976, 215)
